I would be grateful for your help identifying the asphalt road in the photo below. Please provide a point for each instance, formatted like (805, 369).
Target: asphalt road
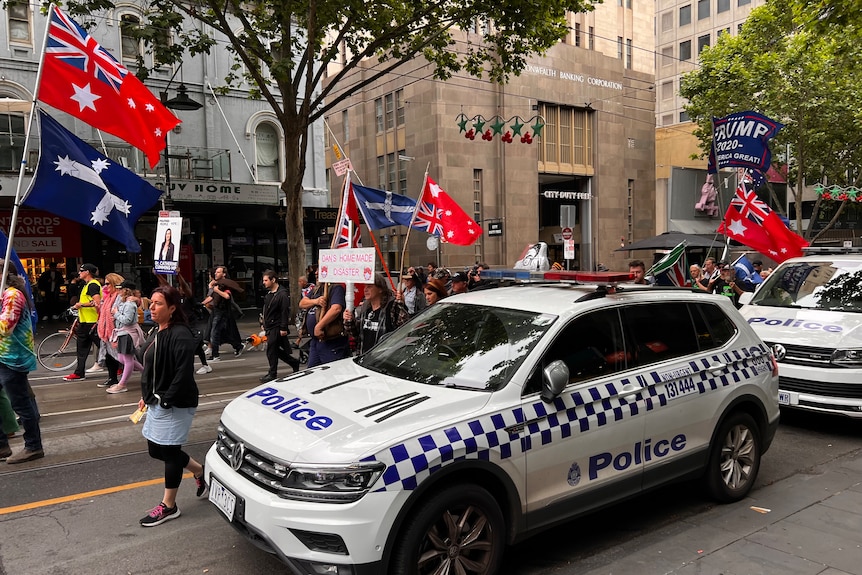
(80, 505)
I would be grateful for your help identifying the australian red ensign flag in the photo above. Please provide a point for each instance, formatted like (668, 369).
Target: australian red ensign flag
(750, 221)
(439, 215)
(84, 80)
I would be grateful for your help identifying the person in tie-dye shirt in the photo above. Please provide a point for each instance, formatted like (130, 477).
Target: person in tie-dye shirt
(17, 359)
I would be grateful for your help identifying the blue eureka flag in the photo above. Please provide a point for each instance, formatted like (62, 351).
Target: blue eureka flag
(745, 273)
(75, 181)
(381, 209)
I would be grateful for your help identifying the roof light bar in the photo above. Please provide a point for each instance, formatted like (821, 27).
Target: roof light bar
(590, 277)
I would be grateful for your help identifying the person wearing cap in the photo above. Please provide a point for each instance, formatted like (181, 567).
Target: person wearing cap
(435, 290)
(410, 293)
(88, 314)
(459, 283)
(127, 335)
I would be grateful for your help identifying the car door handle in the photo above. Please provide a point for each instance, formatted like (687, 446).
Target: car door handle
(717, 368)
(630, 389)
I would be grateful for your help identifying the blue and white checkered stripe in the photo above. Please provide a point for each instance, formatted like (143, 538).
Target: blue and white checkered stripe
(410, 462)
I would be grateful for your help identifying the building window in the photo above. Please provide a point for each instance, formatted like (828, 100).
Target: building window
(685, 50)
(620, 47)
(592, 39)
(667, 90)
(378, 115)
(722, 6)
(722, 31)
(628, 4)
(345, 126)
(702, 9)
(566, 145)
(12, 136)
(683, 116)
(702, 42)
(667, 21)
(739, 27)
(389, 100)
(267, 154)
(667, 56)
(477, 210)
(667, 120)
(392, 171)
(19, 23)
(402, 172)
(399, 107)
(685, 15)
(577, 35)
(630, 208)
(131, 45)
(629, 53)
(381, 172)
(743, 2)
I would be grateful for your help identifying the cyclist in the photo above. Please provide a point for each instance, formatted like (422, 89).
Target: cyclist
(88, 314)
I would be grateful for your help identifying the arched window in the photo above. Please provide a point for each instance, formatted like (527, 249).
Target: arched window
(131, 45)
(267, 147)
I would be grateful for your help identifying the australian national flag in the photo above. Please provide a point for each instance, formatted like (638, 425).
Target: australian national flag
(382, 209)
(75, 181)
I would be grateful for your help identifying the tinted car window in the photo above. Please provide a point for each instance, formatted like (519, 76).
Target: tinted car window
(660, 331)
(834, 285)
(713, 327)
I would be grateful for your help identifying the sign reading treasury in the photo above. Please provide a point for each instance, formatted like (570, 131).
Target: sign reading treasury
(572, 77)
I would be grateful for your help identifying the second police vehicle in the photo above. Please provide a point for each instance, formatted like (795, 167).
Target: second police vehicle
(491, 416)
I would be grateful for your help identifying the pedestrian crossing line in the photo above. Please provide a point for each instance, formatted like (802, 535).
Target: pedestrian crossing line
(85, 495)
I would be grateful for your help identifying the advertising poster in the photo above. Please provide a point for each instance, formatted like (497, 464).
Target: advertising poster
(167, 243)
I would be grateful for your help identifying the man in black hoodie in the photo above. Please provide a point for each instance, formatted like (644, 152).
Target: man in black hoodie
(276, 320)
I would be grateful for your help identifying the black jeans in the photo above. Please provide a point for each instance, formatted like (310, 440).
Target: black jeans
(87, 336)
(18, 389)
(278, 347)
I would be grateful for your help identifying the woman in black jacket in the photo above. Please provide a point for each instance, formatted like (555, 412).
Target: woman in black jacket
(170, 394)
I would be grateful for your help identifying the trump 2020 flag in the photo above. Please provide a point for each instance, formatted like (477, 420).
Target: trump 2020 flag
(84, 80)
(382, 209)
(740, 140)
(75, 181)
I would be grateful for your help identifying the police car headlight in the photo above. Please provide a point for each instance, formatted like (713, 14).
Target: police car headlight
(330, 483)
(847, 357)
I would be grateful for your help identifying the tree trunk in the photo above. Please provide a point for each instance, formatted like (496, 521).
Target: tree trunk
(292, 188)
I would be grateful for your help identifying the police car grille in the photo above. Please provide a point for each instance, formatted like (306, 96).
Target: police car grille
(810, 356)
(255, 466)
(822, 388)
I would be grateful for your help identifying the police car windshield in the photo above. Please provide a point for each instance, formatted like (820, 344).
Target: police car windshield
(460, 346)
(833, 285)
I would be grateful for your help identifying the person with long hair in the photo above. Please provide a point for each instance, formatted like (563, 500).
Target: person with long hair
(166, 252)
(379, 314)
(17, 359)
(127, 335)
(105, 326)
(435, 290)
(170, 396)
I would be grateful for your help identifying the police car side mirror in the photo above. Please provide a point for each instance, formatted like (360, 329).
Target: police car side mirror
(745, 297)
(555, 378)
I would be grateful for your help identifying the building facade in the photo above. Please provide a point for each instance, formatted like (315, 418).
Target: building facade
(588, 108)
(226, 162)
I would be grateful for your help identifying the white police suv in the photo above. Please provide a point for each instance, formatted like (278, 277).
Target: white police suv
(809, 311)
(490, 416)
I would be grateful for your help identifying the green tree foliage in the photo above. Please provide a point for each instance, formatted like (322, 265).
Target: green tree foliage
(793, 62)
(282, 49)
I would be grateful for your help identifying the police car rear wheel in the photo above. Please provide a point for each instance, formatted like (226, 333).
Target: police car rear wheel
(459, 530)
(735, 458)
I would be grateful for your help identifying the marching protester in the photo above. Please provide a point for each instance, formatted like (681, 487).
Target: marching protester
(324, 322)
(17, 359)
(170, 396)
(88, 314)
(127, 335)
(105, 325)
(379, 314)
(435, 290)
(223, 322)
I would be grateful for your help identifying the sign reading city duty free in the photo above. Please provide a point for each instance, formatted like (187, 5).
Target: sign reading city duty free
(347, 265)
(222, 192)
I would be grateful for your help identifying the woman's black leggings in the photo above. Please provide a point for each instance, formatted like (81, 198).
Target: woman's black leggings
(175, 461)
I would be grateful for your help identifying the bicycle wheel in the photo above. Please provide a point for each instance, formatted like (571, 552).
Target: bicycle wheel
(55, 354)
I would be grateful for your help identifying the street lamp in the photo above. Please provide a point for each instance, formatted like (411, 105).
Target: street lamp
(182, 101)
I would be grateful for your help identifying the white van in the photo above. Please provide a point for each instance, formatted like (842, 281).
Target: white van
(809, 311)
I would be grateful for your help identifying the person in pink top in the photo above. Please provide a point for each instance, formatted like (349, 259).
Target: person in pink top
(105, 325)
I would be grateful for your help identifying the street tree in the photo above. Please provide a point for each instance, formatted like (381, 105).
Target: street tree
(283, 49)
(788, 63)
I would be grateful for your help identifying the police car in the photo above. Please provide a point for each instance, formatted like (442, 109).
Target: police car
(809, 311)
(493, 415)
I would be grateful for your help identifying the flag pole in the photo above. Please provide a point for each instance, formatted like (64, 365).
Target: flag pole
(413, 217)
(18, 199)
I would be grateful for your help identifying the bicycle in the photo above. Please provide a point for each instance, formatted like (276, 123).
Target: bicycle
(58, 351)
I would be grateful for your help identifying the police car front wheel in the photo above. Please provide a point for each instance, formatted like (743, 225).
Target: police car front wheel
(459, 530)
(734, 458)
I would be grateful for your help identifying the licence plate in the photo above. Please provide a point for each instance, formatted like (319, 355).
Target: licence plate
(221, 497)
(783, 398)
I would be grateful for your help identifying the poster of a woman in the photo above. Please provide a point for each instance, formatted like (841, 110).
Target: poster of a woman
(167, 251)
